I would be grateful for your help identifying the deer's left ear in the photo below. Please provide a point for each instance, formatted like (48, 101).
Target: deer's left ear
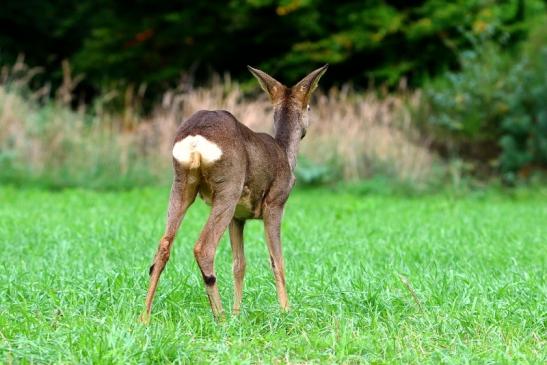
(274, 88)
(308, 84)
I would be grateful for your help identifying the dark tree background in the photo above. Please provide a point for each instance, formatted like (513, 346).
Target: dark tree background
(154, 42)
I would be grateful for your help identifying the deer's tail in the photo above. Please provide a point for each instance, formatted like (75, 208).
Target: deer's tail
(196, 151)
(195, 160)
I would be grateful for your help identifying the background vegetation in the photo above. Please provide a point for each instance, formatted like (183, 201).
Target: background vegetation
(494, 110)
(423, 92)
(113, 42)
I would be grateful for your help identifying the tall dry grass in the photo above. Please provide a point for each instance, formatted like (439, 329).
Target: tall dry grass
(352, 135)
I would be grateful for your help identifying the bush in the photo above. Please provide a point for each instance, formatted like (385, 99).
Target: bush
(494, 110)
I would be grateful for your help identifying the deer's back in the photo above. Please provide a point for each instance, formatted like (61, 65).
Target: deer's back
(236, 156)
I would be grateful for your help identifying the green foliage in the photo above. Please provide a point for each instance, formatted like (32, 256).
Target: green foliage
(74, 274)
(154, 42)
(494, 110)
(309, 173)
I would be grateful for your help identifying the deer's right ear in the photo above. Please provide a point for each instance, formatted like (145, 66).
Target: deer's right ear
(308, 84)
(270, 85)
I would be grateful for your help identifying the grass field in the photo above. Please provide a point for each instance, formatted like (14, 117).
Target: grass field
(379, 279)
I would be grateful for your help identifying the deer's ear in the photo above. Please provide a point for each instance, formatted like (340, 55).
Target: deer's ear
(308, 84)
(270, 85)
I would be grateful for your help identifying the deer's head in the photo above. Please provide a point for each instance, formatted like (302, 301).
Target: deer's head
(291, 104)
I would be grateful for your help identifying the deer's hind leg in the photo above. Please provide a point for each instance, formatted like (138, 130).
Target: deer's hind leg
(222, 211)
(183, 194)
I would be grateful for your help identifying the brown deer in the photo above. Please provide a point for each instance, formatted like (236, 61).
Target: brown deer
(241, 175)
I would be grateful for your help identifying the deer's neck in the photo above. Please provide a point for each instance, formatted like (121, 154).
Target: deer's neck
(288, 138)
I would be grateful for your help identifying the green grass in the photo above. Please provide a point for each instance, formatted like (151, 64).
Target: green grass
(74, 273)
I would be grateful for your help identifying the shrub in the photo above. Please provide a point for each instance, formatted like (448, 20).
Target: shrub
(494, 110)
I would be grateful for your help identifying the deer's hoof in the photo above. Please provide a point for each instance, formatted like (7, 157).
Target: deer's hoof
(220, 317)
(285, 309)
(144, 318)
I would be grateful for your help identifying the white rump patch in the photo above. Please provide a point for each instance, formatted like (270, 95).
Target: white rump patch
(209, 151)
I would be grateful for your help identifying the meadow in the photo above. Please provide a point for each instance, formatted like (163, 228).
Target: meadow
(443, 278)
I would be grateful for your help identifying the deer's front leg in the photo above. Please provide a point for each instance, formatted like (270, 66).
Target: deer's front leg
(238, 255)
(272, 226)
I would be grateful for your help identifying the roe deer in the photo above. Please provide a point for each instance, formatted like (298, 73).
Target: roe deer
(241, 175)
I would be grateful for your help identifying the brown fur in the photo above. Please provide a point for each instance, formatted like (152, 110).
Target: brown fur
(251, 180)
